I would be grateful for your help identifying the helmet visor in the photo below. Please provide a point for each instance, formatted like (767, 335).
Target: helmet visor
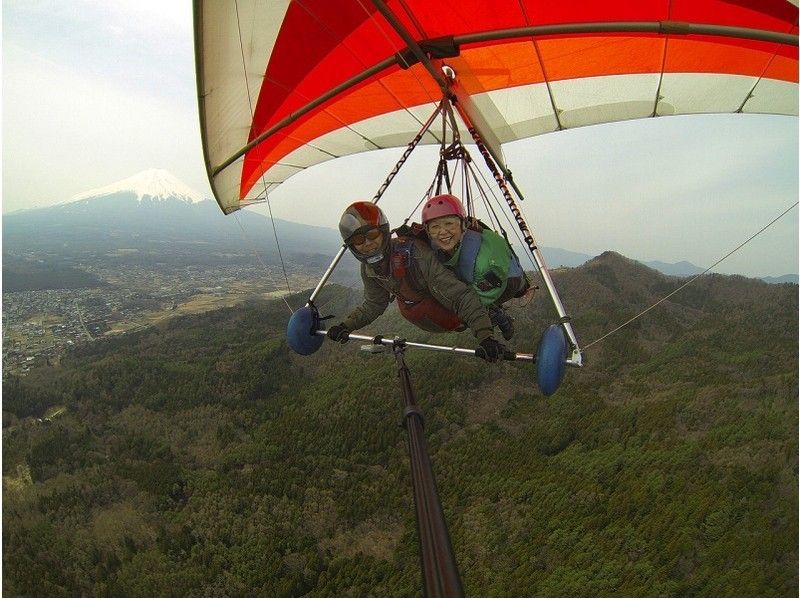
(369, 245)
(359, 239)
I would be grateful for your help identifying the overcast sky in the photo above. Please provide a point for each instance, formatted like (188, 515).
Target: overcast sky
(97, 90)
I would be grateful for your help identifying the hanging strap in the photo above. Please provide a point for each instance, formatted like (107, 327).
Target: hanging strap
(413, 144)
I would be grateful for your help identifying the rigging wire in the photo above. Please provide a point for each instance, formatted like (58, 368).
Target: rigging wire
(427, 195)
(691, 280)
(501, 207)
(261, 260)
(468, 173)
(373, 18)
(263, 181)
(280, 253)
(469, 168)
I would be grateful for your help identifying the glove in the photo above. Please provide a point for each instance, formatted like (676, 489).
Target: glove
(339, 333)
(491, 350)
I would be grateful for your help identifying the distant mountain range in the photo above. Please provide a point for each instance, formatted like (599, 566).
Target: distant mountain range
(154, 215)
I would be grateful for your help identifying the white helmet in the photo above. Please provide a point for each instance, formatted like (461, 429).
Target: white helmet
(360, 218)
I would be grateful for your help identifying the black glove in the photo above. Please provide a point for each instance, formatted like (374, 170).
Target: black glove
(339, 333)
(491, 350)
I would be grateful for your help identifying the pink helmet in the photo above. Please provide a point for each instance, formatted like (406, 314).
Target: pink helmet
(442, 205)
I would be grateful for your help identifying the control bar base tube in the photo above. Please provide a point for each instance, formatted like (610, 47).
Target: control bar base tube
(391, 342)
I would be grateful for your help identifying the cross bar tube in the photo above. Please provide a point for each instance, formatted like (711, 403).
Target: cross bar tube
(391, 342)
(661, 27)
(286, 121)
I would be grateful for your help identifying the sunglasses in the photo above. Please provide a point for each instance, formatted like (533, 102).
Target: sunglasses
(361, 238)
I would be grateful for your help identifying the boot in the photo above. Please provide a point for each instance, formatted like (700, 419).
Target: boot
(503, 321)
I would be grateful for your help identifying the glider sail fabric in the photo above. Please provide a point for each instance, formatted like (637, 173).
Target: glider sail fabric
(284, 85)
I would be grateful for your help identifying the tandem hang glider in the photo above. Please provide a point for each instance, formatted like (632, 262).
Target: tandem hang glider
(284, 85)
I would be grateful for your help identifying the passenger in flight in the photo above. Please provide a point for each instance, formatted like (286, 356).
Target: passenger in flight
(477, 255)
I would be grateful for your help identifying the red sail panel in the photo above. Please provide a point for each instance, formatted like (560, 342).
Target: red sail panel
(265, 63)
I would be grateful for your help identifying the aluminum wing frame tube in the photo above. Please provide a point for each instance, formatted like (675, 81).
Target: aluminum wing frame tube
(481, 131)
(656, 27)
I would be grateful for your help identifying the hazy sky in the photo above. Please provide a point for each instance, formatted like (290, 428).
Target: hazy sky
(97, 90)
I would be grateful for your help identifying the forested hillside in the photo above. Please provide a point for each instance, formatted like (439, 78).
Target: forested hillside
(202, 457)
(29, 275)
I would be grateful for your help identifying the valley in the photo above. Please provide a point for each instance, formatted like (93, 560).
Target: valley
(203, 456)
(39, 325)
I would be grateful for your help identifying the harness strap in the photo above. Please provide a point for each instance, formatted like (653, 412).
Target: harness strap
(470, 246)
(400, 260)
(401, 263)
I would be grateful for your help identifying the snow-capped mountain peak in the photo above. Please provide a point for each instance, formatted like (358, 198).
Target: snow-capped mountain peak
(155, 184)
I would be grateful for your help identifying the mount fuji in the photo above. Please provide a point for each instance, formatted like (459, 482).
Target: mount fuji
(153, 185)
(157, 215)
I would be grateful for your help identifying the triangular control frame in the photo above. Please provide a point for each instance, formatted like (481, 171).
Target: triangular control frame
(460, 101)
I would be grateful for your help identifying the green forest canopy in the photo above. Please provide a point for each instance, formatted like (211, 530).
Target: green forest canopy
(203, 457)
